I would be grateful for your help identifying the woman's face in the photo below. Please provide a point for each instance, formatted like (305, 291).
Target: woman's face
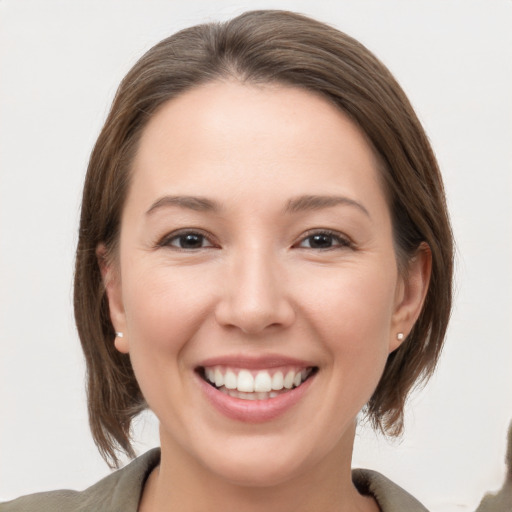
(256, 252)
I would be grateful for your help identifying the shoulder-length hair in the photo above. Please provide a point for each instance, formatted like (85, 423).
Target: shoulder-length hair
(263, 47)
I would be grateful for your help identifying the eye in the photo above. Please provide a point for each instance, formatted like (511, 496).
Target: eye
(324, 240)
(187, 241)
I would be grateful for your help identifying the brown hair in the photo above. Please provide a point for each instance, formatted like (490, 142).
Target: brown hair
(263, 47)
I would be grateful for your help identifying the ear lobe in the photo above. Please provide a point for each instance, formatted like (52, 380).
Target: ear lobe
(112, 283)
(411, 295)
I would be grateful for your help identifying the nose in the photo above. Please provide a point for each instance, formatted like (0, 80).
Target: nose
(254, 295)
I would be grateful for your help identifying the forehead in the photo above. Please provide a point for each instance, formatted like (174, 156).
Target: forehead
(268, 138)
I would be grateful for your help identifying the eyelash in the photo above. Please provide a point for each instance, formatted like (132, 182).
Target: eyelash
(339, 240)
(167, 240)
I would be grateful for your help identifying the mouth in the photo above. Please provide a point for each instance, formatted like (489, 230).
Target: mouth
(251, 384)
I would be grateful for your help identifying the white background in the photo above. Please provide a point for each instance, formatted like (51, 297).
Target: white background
(60, 63)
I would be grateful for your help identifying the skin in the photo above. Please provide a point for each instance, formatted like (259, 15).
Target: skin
(257, 285)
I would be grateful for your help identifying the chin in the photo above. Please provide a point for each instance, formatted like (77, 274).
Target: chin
(261, 472)
(260, 461)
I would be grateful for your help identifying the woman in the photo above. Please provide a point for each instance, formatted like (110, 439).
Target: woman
(264, 251)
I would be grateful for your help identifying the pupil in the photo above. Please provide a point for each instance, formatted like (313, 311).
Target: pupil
(321, 241)
(191, 241)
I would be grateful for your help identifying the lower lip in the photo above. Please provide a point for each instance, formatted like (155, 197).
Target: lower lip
(254, 411)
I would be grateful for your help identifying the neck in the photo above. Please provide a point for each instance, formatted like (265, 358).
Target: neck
(181, 483)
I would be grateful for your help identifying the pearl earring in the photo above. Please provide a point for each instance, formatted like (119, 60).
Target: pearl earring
(119, 334)
(400, 336)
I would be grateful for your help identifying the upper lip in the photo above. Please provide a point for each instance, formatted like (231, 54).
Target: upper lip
(255, 362)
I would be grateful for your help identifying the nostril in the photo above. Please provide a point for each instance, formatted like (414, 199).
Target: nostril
(254, 297)
(254, 319)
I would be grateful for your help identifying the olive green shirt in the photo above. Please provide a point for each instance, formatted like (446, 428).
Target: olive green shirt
(121, 492)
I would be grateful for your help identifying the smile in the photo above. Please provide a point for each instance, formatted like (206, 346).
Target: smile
(262, 384)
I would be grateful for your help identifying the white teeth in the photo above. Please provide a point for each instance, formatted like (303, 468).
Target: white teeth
(245, 381)
(230, 380)
(210, 374)
(277, 381)
(288, 380)
(219, 378)
(260, 385)
(248, 396)
(263, 382)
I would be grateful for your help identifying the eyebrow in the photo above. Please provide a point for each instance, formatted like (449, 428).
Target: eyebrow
(199, 204)
(298, 204)
(305, 203)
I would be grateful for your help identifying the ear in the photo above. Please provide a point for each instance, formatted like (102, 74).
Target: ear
(112, 283)
(411, 292)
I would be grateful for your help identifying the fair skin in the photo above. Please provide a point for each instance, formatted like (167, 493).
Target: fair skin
(256, 239)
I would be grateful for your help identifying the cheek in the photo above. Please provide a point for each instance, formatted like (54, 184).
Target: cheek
(351, 311)
(164, 308)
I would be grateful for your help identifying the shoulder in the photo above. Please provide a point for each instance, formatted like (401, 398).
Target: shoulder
(389, 496)
(118, 492)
